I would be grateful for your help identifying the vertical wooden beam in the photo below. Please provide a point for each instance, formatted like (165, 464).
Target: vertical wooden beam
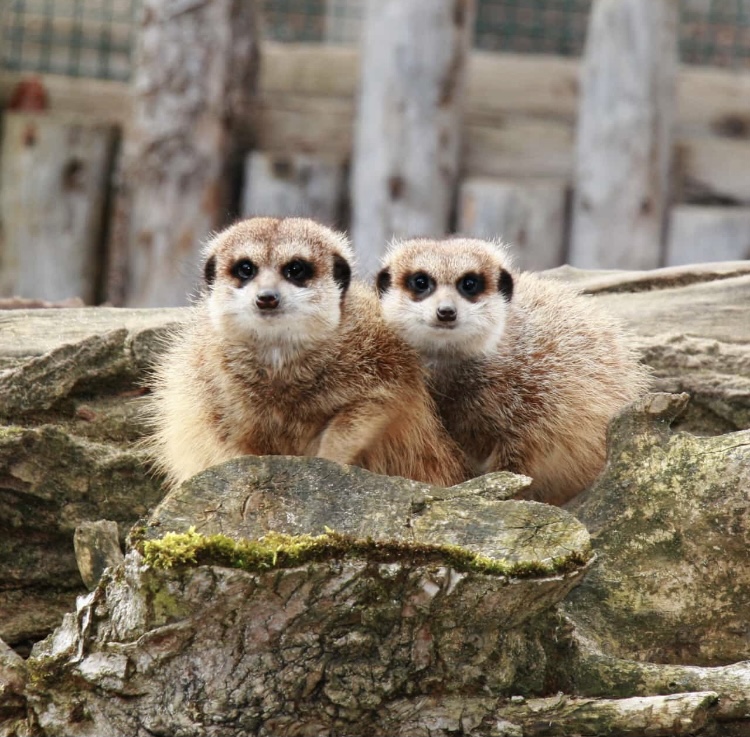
(625, 134)
(193, 79)
(406, 150)
(55, 170)
(528, 214)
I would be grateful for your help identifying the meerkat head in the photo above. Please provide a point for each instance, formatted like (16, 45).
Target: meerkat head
(277, 282)
(449, 298)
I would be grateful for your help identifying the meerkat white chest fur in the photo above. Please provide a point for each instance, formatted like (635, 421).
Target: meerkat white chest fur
(526, 373)
(283, 355)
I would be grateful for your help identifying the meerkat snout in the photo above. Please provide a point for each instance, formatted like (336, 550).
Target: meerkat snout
(267, 299)
(446, 312)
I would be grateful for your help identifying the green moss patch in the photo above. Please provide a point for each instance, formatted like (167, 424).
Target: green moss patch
(275, 550)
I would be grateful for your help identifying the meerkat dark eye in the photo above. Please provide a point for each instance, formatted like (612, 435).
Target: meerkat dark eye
(298, 272)
(244, 270)
(470, 285)
(420, 284)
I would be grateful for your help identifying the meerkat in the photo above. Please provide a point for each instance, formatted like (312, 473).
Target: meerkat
(526, 372)
(285, 355)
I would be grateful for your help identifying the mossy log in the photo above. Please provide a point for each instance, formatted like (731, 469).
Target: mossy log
(309, 631)
(670, 521)
(428, 612)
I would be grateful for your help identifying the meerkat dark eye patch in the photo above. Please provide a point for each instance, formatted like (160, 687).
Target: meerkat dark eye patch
(342, 272)
(298, 272)
(470, 285)
(505, 285)
(383, 282)
(421, 285)
(209, 271)
(244, 270)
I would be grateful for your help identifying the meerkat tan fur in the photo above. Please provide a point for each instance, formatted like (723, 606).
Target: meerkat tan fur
(283, 355)
(526, 372)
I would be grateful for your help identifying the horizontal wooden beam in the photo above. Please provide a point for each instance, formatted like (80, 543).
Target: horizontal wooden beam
(519, 119)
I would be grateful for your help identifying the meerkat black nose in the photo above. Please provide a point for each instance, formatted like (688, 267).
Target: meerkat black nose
(446, 313)
(267, 299)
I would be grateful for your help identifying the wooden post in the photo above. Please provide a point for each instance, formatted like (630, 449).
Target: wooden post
(55, 171)
(194, 74)
(406, 149)
(625, 134)
(296, 184)
(527, 214)
(698, 234)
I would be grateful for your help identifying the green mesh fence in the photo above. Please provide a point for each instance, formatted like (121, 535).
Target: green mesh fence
(79, 38)
(93, 38)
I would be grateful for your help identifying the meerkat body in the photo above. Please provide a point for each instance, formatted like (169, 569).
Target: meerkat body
(525, 371)
(284, 356)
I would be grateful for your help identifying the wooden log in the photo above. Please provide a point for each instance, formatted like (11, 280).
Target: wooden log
(527, 214)
(696, 232)
(293, 185)
(194, 74)
(407, 149)
(55, 171)
(624, 137)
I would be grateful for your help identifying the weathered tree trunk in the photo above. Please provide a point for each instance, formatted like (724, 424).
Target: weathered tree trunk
(406, 149)
(295, 184)
(529, 214)
(694, 229)
(625, 134)
(55, 175)
(193, 79)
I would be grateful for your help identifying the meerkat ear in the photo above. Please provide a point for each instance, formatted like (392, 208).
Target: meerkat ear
(209, 271)
(383, 282)
(342, 272)
(505, 285)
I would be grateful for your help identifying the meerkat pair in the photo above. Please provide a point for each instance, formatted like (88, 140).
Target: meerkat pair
(526, 372)
(285, 355)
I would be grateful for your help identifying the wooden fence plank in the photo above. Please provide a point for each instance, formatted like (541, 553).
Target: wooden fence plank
(697, 233)
(529, 215)
(301, 185)
(54, 170)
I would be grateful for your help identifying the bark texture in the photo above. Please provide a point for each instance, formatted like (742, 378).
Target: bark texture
(70, 382)
(670, 521)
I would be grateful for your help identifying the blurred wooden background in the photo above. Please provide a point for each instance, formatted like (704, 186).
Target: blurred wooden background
(611, 134)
